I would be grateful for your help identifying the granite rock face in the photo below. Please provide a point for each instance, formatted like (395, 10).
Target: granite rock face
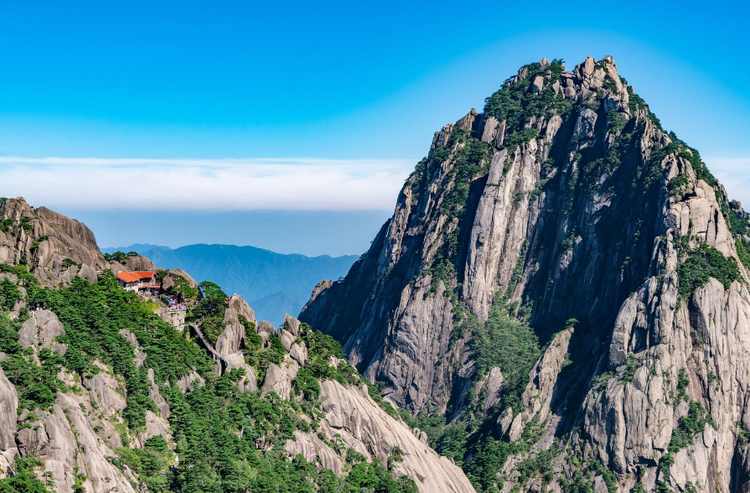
(352, 419)
(70, 440)
(566, 202)
(230, 343)
(512, 222)
(8, 415)
(173, 276)
(231, 339)
(279, 378)
(352, 415)
(41, 331)
(55, 247)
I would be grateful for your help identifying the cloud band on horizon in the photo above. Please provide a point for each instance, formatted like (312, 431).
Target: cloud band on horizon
(204, 184)
(237, 184)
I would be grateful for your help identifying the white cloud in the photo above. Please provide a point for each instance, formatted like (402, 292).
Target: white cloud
(197, 184)
(238, 184)
(734, 174)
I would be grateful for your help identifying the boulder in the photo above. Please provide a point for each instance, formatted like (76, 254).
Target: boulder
(231, 339)
(248, 382)
(41, 331)
(279, 378)
(107, 393)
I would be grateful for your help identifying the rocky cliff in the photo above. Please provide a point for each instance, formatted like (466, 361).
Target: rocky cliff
(565, 284)
(103, 390)
(56, 248)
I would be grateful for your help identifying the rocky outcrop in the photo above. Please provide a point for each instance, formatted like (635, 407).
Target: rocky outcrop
(140, 356)
(68, 442)
(8, 413)
(173, 276)
(351, 419)
(565, 199)
(231, 339)
(248, 382)
(279, 378)
(315, 450)
(55, 247)
(351, 415)
(229, 345)
(298, 352)
(189, 382)
(490, 387)
(173, 315)
(538, 395)
(296, 349)
(139, 263)
(264, 329)
(131, 262)
(106, 392)
(41, 331)
(161, 403)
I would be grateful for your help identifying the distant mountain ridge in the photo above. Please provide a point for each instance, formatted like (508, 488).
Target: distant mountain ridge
(273, 283)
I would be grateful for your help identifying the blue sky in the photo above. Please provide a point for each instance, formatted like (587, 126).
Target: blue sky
(93, 95)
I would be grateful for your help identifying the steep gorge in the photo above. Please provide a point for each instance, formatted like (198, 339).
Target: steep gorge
(564, 283)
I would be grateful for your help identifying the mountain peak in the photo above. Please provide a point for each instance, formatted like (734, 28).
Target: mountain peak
(550, 263)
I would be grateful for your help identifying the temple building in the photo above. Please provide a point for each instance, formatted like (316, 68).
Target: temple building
(138, 281)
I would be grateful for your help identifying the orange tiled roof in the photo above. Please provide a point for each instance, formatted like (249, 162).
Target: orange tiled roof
(135, 276)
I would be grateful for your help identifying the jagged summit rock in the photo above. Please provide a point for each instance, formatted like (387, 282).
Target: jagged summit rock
(56, 248)
(565, 217)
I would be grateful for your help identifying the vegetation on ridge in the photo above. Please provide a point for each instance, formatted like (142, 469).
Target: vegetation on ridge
(515, 103)
(701, 264)
(226, 440)
(209, 311)
(24, 479)
(508, 343)
(94, 316)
